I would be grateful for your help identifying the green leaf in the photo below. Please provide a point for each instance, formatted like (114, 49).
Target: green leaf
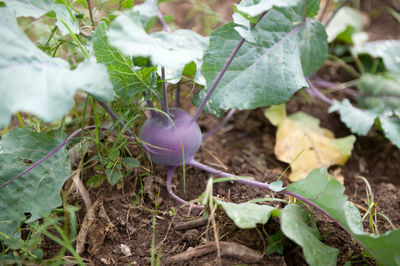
(359, 121)
(256, 7)
(267, 72)
(388, 50)
(276, 186)
(37, 8)
(346, 22)
(327, 193)
(36, 83)
(294, 224)
(312, 8)
(113, 176)
(391, 128)
(248, 215)
(275, 243)
(38, 191)
(130, 162)
(172, 51)
(379, 92)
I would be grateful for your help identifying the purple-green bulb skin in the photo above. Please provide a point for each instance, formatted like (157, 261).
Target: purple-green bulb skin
(164, 140)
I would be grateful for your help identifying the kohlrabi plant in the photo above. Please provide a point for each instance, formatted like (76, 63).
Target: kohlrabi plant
(270, 51)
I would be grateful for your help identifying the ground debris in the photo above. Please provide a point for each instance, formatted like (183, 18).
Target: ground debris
(230, 249)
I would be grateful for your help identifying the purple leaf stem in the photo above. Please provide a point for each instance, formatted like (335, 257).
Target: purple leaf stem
(220, 124)
(73, 135)
(230, 59)
(164, 24)
(327, 85)
(115, 116)
(266, 186)
(315, 92)
(165, 95)
(335, 12)
(170, 174)
(177, 96)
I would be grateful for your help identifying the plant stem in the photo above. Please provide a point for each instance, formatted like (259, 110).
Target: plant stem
(335, 12)
(164, 24)
(89, 6)
(165, 94)
(73, 135)
(115, 117)
(266, 186)
(220, 125)
(317, 93)
(170, 174)
(177, 96)
(217, 80)
(321, 16)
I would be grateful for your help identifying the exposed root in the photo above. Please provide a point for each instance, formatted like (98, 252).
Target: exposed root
(230, 249)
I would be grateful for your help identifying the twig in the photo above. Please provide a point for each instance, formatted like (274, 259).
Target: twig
(190, 224)
(82, 189)
(177, 96)
(230, 249)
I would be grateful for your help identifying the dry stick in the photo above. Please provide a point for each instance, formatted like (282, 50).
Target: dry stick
(89, 5)
(335, 12)
(90, 217)
(177, 96)
(231, 249)
(190, 224)
(82, 189)
(266, 186)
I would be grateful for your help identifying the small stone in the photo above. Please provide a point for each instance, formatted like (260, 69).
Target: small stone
(126, 250)
(105, 261)
(117, 250)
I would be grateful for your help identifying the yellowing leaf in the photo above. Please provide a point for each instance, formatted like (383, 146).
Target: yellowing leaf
(300, 133)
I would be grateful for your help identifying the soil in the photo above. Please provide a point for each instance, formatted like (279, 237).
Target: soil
(140, 207)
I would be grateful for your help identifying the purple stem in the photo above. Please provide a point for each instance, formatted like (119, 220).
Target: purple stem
(115, 116)
(73, 135)
(220, 125)
(177, 96)
(170, 174)
(266, 186)
(165, 95)
(164, 24)
(229, 61)
(327, 85)
(315, 92)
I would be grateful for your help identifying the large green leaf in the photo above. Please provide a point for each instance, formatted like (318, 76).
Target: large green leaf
(38, 191)
(248, 215)
(172, 51)
(327, 193)
(294, 224)
(34, 82)
(267, 72)
(388, 50)
(126, 80)
(37, 8)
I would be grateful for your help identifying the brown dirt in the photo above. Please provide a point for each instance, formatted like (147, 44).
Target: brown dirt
(244, 147)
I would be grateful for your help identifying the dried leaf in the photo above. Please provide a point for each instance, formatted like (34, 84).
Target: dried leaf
(299, 135)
